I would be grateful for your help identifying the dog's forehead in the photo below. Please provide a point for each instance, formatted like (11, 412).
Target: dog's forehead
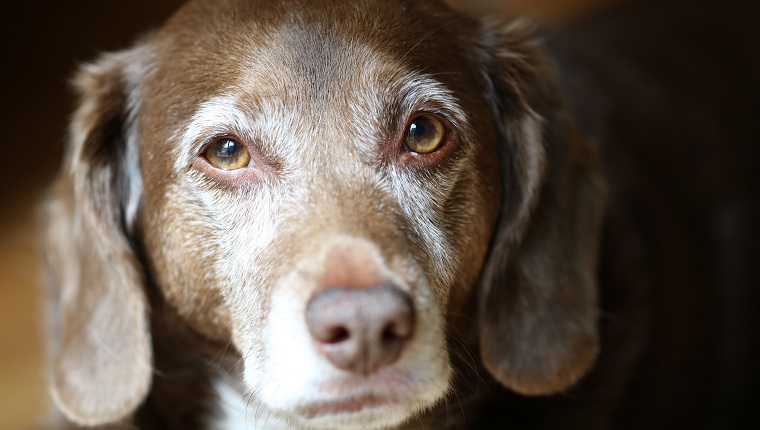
(310, 39)
(308, 54)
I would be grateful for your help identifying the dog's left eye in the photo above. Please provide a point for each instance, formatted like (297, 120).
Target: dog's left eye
(227, 154)
(426, 134)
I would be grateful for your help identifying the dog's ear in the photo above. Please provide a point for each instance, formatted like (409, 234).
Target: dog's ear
(102, 359)
(537, 304)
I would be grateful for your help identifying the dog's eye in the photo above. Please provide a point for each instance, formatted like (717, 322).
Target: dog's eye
(425, 135)
(227, 154)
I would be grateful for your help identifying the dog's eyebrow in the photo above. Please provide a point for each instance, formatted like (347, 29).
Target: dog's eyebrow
(221, 115)
(427, 92)
(216, 117)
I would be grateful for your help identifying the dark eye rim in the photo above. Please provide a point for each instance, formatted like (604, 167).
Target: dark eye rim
(228, 178)
(414, 118)
(450, 141)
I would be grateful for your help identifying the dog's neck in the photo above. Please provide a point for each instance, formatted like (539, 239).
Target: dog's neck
(233, 411)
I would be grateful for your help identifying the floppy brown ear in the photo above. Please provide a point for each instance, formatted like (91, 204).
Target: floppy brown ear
(537, 304)
(101, 357)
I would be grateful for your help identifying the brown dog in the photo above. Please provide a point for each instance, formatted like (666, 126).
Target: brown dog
(321, 215)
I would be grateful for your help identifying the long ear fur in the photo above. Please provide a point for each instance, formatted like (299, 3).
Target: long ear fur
(102, 359)
(537, 304)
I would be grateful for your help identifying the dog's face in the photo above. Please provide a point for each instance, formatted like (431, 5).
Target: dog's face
(320, 184)
(290, 165)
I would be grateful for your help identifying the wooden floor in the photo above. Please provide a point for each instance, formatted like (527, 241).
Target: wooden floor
(22, 393)
(23, 399)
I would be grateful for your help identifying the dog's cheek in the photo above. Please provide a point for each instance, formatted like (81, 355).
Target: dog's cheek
(476, 200)
(237, 231)
(452, 224)
(183, 255)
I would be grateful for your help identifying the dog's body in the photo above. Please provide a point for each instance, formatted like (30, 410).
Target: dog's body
(251, 231)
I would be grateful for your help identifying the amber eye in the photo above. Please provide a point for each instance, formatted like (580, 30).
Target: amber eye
(425, 135)
(227, 154)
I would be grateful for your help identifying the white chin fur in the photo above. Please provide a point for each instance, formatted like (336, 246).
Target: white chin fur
(295, 383)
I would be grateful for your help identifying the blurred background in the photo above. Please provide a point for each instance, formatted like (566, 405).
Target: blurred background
(42, 44)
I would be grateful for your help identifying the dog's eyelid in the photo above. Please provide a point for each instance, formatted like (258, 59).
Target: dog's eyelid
(253, 167)
(205, 143)
(228, 154)
(447, 109)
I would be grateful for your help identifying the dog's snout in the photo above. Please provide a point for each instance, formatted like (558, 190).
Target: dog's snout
(361, 330)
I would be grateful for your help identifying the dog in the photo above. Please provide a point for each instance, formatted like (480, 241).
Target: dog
(331, 215)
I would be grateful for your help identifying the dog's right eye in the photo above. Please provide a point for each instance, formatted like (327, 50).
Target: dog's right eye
(425, 135)
(227, 154)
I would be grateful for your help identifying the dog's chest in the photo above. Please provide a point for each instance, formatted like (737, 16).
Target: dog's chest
(234, 412)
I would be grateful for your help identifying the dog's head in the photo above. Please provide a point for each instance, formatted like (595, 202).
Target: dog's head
(326, 185)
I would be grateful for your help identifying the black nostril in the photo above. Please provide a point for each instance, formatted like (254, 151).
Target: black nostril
(389, 333)
(398, 330)
(337, 335)
(391, 340)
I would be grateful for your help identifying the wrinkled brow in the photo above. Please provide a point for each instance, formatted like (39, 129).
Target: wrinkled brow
(232, 114)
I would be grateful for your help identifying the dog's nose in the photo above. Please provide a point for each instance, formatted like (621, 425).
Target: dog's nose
(361, 330)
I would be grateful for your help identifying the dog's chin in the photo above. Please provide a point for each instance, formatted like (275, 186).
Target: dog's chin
(364, 412)
(380, 401)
